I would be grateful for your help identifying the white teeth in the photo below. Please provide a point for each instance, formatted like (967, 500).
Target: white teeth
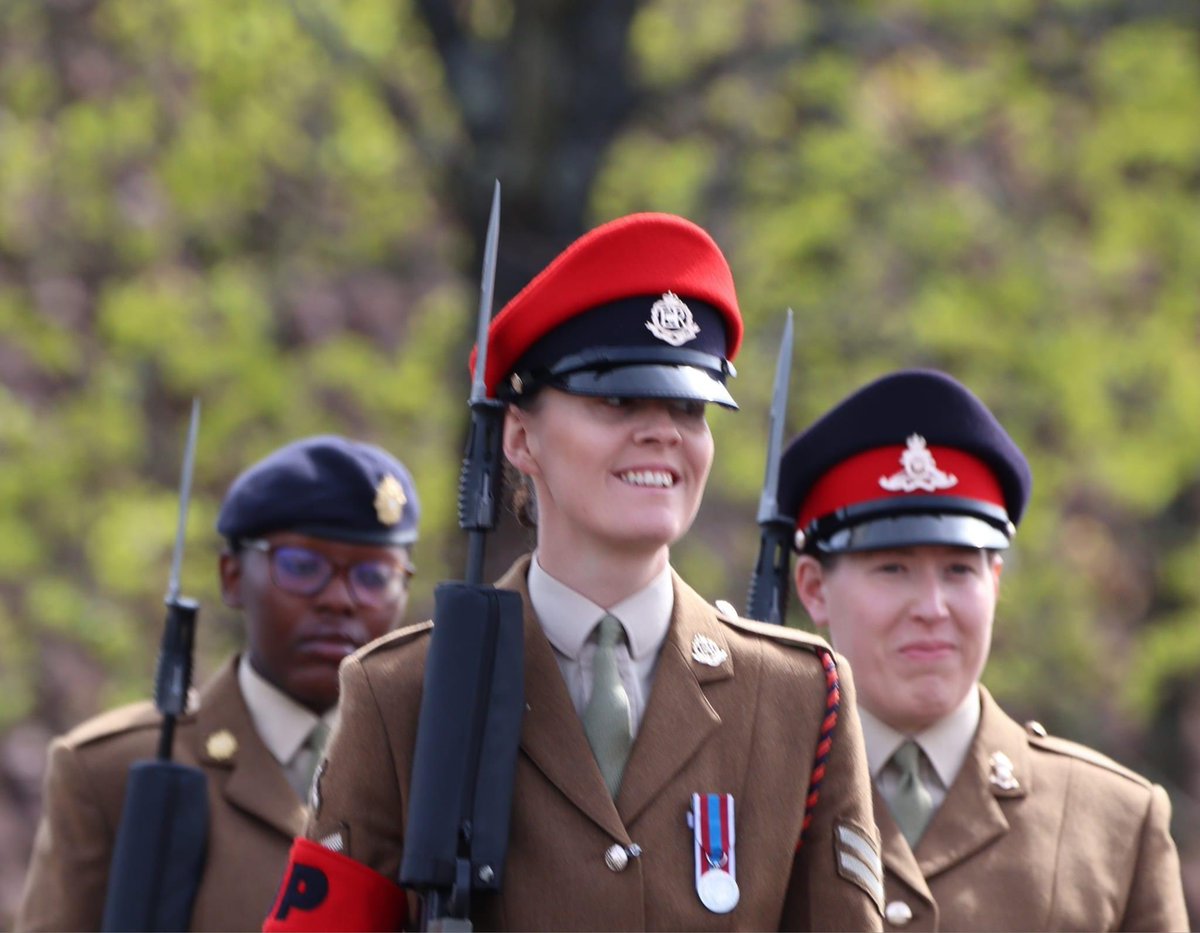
(658, 478)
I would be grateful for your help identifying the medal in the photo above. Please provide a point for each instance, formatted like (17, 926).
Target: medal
(711, 819)
(718, 891)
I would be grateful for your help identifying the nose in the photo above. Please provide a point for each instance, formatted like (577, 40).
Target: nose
(929, 601)
(657, 424)
(336, 593)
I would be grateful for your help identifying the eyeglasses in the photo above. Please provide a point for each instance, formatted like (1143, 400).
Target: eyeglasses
(302, 571)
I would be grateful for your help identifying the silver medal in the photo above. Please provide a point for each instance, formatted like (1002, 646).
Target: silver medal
(718, 891)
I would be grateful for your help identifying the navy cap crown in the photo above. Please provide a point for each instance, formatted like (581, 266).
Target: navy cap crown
(326, 486)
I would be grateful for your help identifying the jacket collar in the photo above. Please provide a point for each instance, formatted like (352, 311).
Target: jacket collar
(237, 762)
(678, 716)
(997, 768)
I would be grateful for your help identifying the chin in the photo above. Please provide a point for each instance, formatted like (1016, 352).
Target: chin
(648, 538)
(318, 692)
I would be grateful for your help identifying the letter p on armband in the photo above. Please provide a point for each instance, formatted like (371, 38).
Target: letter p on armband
(325, 890)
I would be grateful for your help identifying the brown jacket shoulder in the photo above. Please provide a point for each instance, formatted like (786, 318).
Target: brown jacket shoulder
(1037, 833)
(254, 813)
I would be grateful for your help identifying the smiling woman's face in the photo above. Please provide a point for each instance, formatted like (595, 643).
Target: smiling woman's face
(297, 642)
(915, 624)
(611, 473)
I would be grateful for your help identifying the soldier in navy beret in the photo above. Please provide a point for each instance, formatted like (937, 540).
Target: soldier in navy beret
(644, 702)
(317, 557)
(905, 496)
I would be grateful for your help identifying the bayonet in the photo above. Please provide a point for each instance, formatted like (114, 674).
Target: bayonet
(173, 677)
(768, 501)
(479, 482)
(487, 287)
(185, 495)
(767, 598)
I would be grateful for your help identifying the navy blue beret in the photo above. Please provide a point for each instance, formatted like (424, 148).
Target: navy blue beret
(328, 487)
(912, 458)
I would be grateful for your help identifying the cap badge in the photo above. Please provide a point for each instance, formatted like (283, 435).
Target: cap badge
(389, 500)
(1001, 773)
(671, 320)
(708, 652)
(920, 470)
(221, 745)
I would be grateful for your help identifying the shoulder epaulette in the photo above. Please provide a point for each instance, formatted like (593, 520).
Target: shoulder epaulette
(1054, 744)
(401, 636)
(129, 718)
(780, 633)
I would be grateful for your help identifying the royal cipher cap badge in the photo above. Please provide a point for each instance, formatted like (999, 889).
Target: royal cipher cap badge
(671, 320)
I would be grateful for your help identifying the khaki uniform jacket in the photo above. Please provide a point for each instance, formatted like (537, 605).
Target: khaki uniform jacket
(254, 813)
(1064, 840)
(747, 726)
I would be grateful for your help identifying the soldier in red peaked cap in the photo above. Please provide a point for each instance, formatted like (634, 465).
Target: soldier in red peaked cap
(667, 747)
(906, 493)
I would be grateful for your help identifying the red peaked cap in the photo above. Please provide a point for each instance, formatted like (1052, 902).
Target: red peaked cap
(641, 256)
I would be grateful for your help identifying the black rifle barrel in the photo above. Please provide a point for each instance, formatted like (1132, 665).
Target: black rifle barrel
(162, 839)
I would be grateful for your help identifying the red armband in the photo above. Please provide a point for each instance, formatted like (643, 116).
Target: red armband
(324, 890)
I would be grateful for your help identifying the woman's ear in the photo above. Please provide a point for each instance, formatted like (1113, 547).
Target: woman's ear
(810, 587)
(517, 441)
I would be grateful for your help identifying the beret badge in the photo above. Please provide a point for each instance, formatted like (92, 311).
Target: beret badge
(389, 500)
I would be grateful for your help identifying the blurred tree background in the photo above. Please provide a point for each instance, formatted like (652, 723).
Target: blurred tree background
(278, 206)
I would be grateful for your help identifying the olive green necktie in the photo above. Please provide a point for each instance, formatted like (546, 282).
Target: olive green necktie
(606, 719)
(305, 764)
(911, 803)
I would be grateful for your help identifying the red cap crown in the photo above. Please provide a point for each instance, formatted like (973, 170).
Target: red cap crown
(641, 254)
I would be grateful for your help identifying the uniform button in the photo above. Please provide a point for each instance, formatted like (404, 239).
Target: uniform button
(897, 913)
(616, 858)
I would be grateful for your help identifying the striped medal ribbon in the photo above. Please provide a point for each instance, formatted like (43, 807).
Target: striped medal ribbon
(716, 870)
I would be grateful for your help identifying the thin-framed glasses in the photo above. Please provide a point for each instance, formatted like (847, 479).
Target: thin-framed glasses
(302, 571)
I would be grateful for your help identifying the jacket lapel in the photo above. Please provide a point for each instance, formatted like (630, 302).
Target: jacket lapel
(551, 733)
(679, 718)
(971, 816)
(235, 759)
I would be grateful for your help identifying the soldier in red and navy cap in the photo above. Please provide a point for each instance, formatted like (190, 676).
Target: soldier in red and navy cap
(667, 748)
(906, 494)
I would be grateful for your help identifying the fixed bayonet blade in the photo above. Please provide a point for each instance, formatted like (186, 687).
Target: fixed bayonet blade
(768, 503)
(185, 494)
(487, 287)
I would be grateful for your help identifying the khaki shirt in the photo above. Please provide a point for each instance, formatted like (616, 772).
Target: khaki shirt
(254, 813)
(1036, 833)
(747, 725)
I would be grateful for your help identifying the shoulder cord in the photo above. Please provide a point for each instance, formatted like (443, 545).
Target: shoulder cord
(833, 701)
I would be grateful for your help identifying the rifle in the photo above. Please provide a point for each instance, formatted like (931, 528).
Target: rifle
(472, 700)
(767, 598)
(162, 838)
